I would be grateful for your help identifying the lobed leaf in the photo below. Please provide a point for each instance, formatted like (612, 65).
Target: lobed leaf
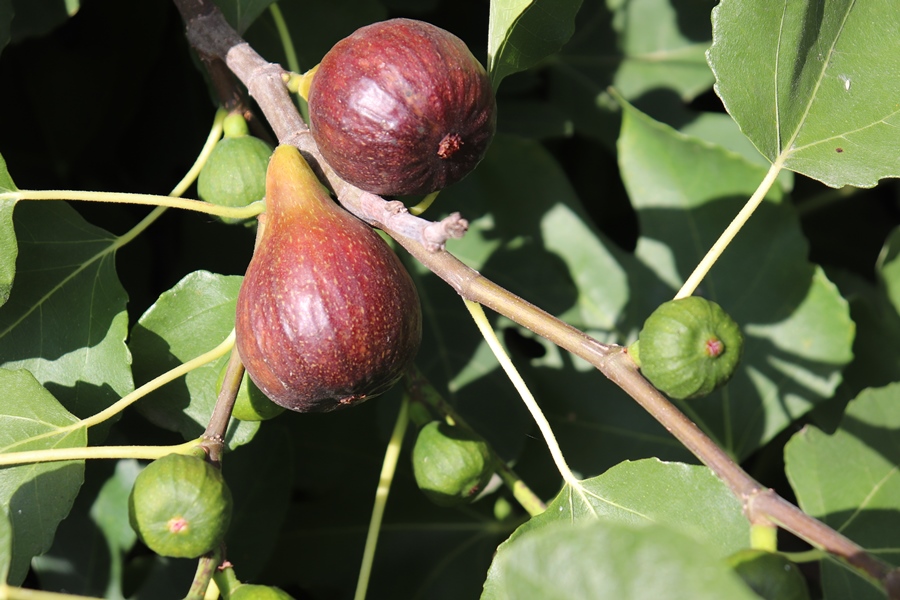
(36, 496)
(523, 32)
(851, 481)
(826, 73)
(186, 321)
(65, 320)
(600, 559)
(797, 326)
(695, 503)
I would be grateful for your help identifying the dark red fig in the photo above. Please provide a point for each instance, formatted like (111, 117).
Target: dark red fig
(326, 316)
(402, 107)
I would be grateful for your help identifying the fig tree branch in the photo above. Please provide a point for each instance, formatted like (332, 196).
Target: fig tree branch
(213, 38)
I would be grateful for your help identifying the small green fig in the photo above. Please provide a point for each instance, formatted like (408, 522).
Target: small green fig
(772, 576)
(250, 591)
(180, 506)
(251, 404)
(688, 347)
(451, 464)
(235, 172)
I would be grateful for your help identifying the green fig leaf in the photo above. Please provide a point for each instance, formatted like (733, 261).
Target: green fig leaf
(862, 503)
(797, 329)
(191, 318)
(240, 14)
(825, 72)
(89, 551)
(648, 50)
(770, 574)
(9, 250)
(522, 32)
(696, 503)
(36, 496)
(66, 320)
(889, 268)
(5, 544)
(602, 559)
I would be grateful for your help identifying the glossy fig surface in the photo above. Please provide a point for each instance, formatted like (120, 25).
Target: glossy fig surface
(402, 107)
(327, 316)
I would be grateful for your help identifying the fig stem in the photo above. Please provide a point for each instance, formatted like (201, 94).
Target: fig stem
(418, 388)
(388, 468)
(487, 332)
(206, 567)
(214, 436)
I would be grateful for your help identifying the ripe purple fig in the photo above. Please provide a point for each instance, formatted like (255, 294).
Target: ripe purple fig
(402, 107)
(326, 315)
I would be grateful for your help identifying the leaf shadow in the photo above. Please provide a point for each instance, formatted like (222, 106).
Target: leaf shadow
(883, 440)
(84, 400)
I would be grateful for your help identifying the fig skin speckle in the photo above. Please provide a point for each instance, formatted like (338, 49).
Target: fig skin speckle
(402, 107)
(327, 315)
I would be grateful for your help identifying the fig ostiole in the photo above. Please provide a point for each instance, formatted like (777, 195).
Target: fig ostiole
(235, 171)
(451, 464)
(180, 506)
(327, 316)
(402, 107)
(688, 347)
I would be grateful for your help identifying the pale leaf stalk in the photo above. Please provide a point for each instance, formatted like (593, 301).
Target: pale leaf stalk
(700, 271)
(493, 342)
(8, 592)
(243, 212)
(388, 468)
(157, 382)
(94, 452)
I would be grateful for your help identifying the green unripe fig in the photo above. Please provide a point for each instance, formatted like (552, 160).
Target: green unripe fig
(180, 506)
(770, 575)
(235, 173)
(451, 464)
(688, 347)
(249, 591)
(250, 404)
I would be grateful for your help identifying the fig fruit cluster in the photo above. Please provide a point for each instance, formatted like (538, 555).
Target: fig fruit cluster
(401, 107)
(451, 464)
(688, 347)
(180, 506)
(327, 316)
